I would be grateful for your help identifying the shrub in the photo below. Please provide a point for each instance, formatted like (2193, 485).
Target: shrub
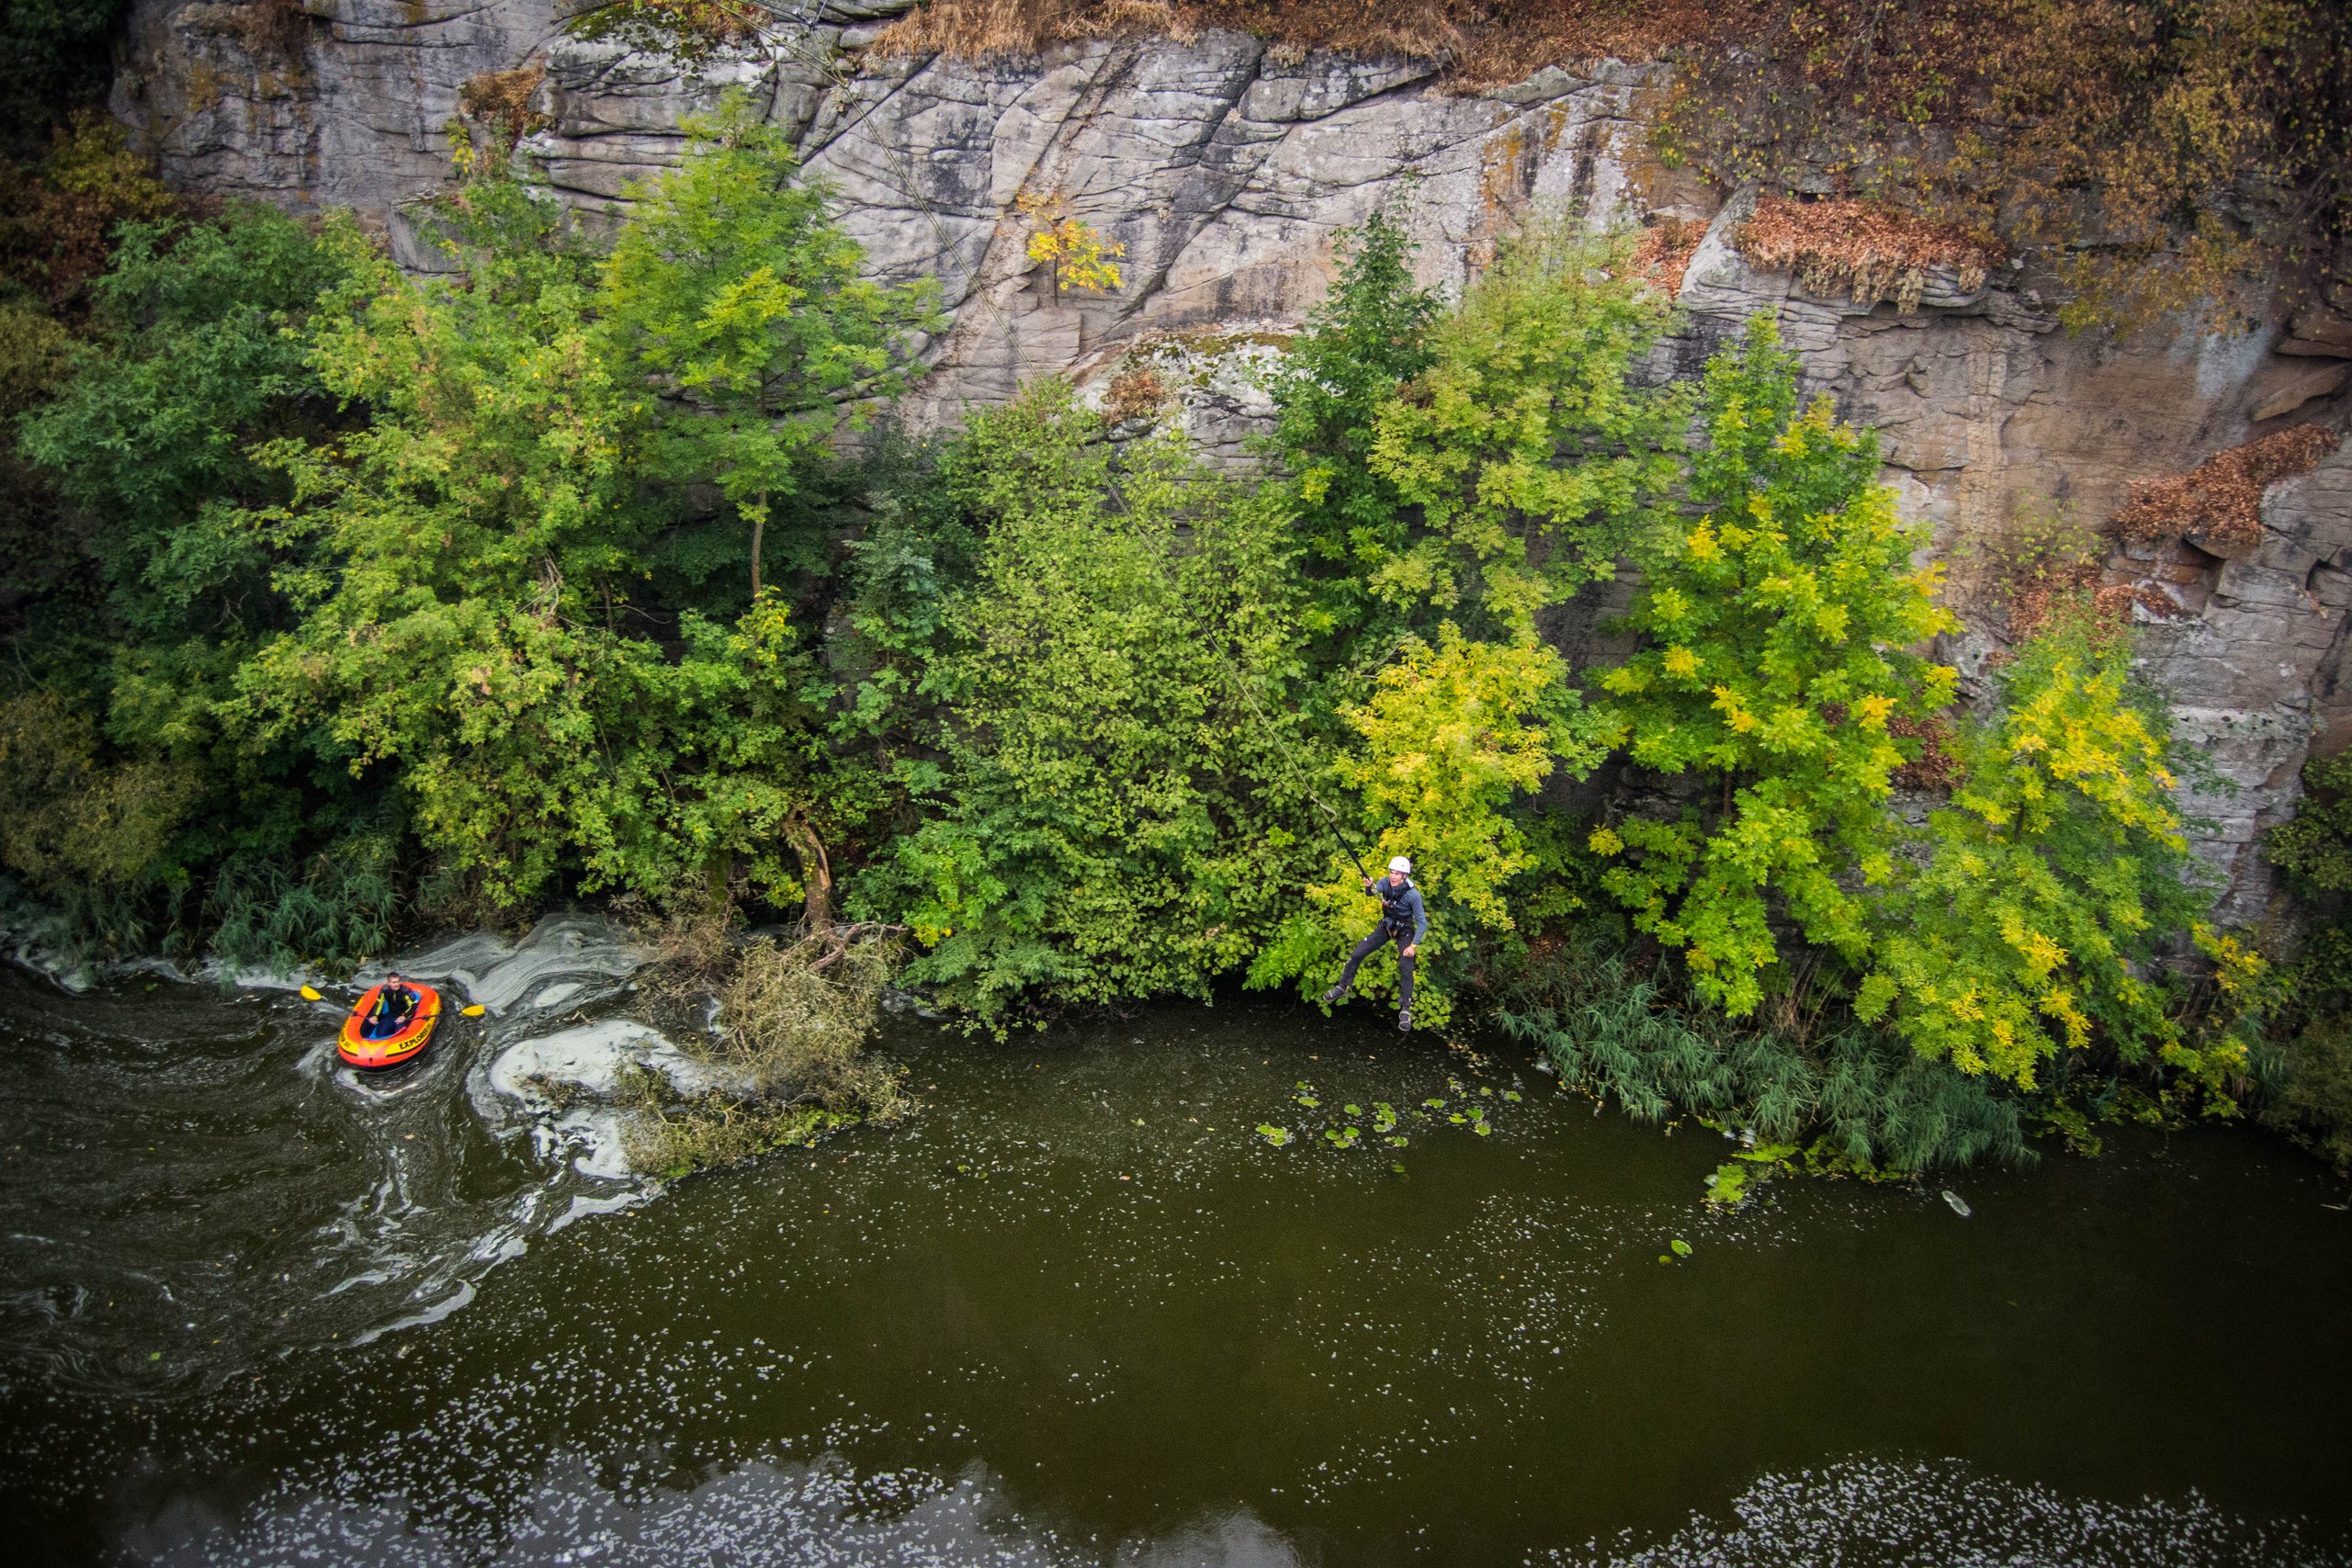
(793, 1019)
(1865, 1101)
(1118, 814)
(2049, 880)
(1776, 627)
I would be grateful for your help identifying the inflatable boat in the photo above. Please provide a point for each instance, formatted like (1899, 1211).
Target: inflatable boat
(359, 1050)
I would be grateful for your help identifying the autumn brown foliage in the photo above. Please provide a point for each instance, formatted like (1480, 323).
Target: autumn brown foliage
(57, 222)
(1479, 42)
(2221, 499)
(2159, 153)
(1663, 253)
(1865, 249)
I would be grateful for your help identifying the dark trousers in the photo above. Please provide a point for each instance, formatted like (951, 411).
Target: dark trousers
(1380, 937)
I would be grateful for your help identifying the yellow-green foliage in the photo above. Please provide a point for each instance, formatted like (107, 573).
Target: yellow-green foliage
(1531, 456)
(1776, 627)
(1075, 253)
(1451, 737)
(2049, 879)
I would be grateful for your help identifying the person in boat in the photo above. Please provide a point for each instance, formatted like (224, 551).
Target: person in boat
(395, 1006)
(1403, 921)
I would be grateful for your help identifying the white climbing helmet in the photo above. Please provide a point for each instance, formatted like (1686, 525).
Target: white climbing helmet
(1401, 863)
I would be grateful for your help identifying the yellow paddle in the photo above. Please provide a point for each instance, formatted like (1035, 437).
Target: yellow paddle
(311, 996)
(474, 1011)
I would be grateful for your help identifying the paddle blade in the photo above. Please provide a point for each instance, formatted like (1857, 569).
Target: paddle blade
(474, 1011)
(311, 996)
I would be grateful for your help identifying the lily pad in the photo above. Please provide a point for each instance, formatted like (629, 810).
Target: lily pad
(1275, 1135)
(1680, 1247)
(1728, 1185)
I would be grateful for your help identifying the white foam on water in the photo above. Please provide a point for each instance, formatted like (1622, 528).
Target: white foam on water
(590, 1057)
(563, 957)
(1945, 1514)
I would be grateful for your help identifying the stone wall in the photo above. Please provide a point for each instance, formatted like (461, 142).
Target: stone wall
(1225, 167)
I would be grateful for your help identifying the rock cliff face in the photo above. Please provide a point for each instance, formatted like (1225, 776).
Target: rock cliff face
(1225, 166)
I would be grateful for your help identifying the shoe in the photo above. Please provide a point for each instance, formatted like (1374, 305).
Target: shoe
(1405, 1022)
(1336, 993)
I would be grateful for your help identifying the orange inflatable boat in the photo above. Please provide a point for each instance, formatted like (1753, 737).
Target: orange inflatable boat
(358, 1050)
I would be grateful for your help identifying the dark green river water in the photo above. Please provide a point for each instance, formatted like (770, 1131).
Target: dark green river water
(1077, 1310)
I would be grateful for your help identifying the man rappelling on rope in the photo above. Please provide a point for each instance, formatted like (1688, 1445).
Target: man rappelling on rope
(1403, 921)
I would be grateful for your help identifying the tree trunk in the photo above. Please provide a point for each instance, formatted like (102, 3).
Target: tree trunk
(815, 874)
(759, 539)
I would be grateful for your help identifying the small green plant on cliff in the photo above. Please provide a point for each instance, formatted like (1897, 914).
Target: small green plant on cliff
(690, 30)
(1075, 253)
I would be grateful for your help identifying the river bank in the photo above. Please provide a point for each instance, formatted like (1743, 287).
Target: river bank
(1079, 1309)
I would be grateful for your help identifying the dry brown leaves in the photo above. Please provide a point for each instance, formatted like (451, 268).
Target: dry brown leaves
(1664, 252)
(1937, 768)
(1134, 393)
(1481, 42)
(2221, 498)
(1866, 249)
(503, 99)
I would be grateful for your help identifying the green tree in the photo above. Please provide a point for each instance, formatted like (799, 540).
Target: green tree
(744, 300)
(1118, 816)
(1368, 337)
(468, 550)
(2051, 877)
(1526, 456)
(1776, 630)
(191, 365)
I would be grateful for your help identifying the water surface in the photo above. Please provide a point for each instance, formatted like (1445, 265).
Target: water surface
(1079, 1309)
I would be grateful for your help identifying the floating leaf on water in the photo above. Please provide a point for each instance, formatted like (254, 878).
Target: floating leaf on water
(1397, 1168)
(154, 1355)
(1398, 1141)
(1139, 1120)
(1457, 1118)
(1309, 1100)
(1481, 1129)
(1959, 1204)
(1728, 1185)
(1353, 1110)
(1275, 1135)
(1681, 1248)
(1663, 1258)
(1512, 1094)
(1434, 1104)
(1485, 1090)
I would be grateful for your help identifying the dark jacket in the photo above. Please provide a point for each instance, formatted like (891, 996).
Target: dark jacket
(1401, 908)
